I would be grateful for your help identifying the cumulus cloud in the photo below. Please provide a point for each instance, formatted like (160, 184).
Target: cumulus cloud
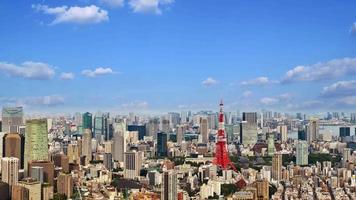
(75, 14)
(340, 88)
(247, 94)
(258, 81)
(282, 98)
(347, 101)
(28, 70)
(97, 72)
(113, 3)
(67, 76)
(321, 71)
(353, 29)
(209, 82)
(149, 6)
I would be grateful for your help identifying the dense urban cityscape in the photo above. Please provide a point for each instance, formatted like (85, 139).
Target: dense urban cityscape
(177, 100)
(187, 155)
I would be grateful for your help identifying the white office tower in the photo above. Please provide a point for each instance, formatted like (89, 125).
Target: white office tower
(86, 146)
(169, 185)
(204, 131)
(10, 170)
(133, 164)
(302, 153)
(119, 147)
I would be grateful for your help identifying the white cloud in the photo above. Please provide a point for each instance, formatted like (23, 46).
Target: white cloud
(353, 29)
(340, 88)
(258, 81)
(347, 101)
(75, 14)
(50, 100)
(282, 98)
(97, 72)
(247, 94)
(67, 76)
(134, 105)
(269, 100)
(209, 82)
(28, 70)
(113, 3)
(149, 6)
(321, 71)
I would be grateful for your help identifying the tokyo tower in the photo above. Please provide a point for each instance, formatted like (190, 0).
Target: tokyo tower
(222, 159)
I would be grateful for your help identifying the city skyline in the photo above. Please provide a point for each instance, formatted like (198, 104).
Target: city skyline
(171, 55)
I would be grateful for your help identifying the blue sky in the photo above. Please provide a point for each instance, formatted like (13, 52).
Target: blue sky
(166, 55)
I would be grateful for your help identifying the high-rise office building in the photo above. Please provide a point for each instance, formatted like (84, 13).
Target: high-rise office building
(62, 161)
(73, 153)
(344, 131)
(250, 118)
(141, 129)
(12, 118)
(313, 130)
(86, 145)
(36, 143)
(65, 185)
(165, 126)
(353, 117)
(346, 156)
(204, 131)
(162, 139)
(153, 127)
(169, 185)
(10, 170)
(248, 133)
(302, 153)
(270, 144)
(302, 135)
(119, 145)
(87, 121)
(174, 119)
(180, 133)
(98, 127)
(13, 147)
(277, 167)
(108, 161)
(133, 164)
(283, 130)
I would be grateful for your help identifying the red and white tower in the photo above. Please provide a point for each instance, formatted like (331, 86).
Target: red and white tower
(222, 159)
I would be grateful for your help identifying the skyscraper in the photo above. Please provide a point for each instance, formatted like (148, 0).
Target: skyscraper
(283, 130)
(87, 121)
(165, 125)
(302, 153)
(98, 127)
(10, 170)
(313, 130)
(250, 117)
(73, 153)
(119, 147)
(48, 170)
(33, 186)
(248, 133)
(302, 134)
(86, 145)
(180, 134)
(36, 172)
(169, 185)
(277, 167)
(270, 144)
(153, 127)
(12, 118)
(36, 143)
(162, 139)
(133, 162)
(12, 147)
(141, 129)
(346, 155)
(262, 187)
(108, 161)
(204, 130)
(344, 131)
